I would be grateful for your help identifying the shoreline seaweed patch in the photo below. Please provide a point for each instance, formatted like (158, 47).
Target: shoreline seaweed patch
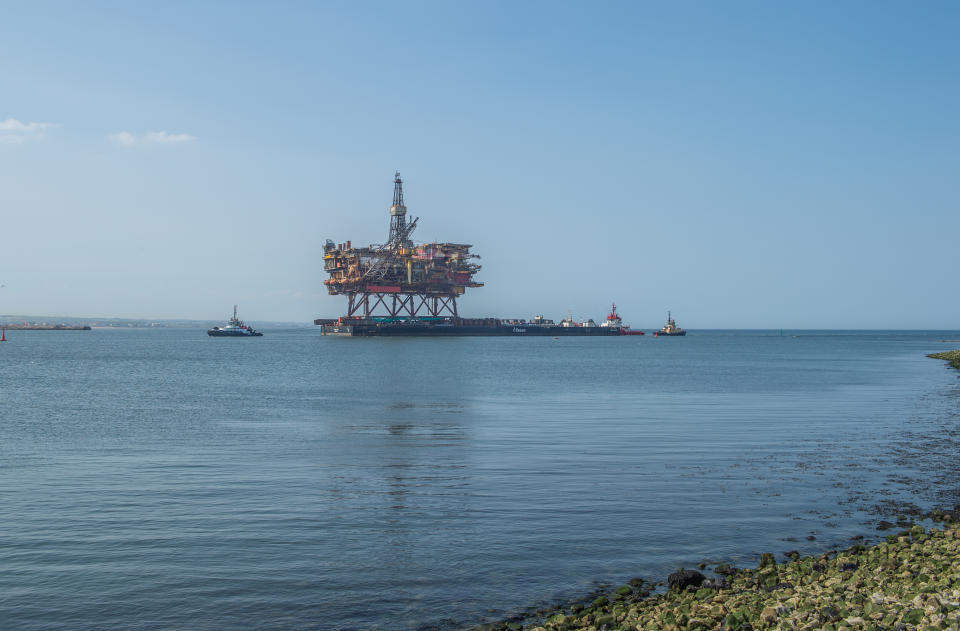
(951, 356)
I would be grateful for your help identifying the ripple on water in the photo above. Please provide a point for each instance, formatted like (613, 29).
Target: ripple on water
(161, 478)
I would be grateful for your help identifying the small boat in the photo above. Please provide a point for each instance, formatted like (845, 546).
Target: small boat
(670, 330)
(234, 328)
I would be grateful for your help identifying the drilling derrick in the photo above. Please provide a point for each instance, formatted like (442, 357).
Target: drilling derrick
(399, 230)
(400, 279)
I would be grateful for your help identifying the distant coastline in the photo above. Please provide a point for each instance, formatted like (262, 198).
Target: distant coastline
(69, 323)
(27, 326)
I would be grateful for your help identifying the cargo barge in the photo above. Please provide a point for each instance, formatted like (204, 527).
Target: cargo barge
(454, 327)
(437, 326)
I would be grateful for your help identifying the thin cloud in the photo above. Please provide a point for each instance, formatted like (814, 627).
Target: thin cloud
(14, 132)
(126, 139)
(164, 137)
(12, 124)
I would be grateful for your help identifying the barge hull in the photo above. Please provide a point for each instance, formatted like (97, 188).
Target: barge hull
(427, 330)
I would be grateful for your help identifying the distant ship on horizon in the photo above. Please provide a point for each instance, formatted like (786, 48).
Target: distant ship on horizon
(671, 329)
(234, 328)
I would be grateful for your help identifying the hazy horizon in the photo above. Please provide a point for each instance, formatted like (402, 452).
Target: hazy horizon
(747, 166)
(53, 319)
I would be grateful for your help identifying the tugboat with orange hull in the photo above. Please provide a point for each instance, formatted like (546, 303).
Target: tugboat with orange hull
(670, 330)
(614, 321)
(234, 328)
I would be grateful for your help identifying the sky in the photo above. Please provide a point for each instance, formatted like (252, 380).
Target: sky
(744, 165)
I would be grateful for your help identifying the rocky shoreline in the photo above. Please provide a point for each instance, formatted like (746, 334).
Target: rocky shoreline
(909, 580)
(951, 356)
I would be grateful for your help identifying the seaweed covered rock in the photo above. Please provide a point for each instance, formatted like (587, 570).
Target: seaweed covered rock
(767, 560)
(911, 583)
(682, 579)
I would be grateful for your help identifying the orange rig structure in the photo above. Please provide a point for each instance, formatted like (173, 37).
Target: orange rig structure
(399, 278)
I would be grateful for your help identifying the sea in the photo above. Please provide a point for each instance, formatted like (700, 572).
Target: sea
(163, 479)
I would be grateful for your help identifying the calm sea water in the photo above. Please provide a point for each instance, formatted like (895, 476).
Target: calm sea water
(162, 479)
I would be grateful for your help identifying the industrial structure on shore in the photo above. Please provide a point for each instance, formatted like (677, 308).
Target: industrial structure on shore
(400, 288)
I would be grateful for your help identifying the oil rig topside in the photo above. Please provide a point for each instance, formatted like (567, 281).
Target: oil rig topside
(399, 279)
(400, 288)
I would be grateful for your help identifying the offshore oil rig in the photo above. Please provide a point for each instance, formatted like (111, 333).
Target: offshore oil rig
(400, 288)
(398, 277)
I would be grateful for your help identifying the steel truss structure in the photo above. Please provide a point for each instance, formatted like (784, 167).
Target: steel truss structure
(401, 304)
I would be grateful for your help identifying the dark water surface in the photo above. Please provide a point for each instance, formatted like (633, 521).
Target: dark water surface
(162, 479)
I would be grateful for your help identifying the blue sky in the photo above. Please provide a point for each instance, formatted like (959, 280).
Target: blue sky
(743, 164)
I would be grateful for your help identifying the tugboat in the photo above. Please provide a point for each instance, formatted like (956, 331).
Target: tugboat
(235, 328)
(670, 330)
(614, 321)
